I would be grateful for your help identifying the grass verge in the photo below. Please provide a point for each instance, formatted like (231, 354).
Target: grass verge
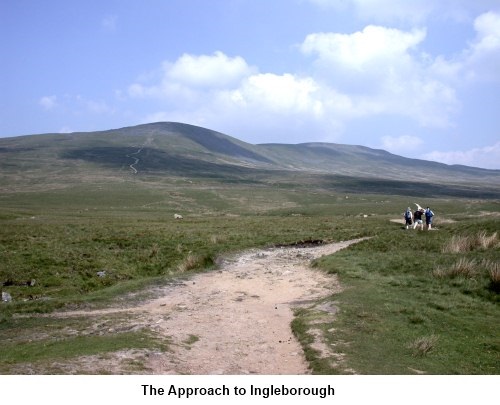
(397, 317)
(41, 345)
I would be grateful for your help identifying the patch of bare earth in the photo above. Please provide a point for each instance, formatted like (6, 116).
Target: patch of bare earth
(235, 320)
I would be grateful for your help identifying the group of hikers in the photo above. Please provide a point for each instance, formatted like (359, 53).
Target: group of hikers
(415, 218)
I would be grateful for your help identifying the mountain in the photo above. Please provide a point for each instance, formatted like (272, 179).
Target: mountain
(182, 150)
(363, 161)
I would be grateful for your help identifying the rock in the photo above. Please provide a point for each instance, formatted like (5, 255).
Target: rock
(101, 273)
(6, 297)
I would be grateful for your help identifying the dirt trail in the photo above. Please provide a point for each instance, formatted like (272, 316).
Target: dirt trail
(235, 320)
(132, 166)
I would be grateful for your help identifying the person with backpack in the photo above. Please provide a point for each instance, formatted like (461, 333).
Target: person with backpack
(428, 218)
(408, 217)
(417, 219)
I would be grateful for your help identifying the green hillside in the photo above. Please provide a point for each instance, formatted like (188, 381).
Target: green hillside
(184, 151)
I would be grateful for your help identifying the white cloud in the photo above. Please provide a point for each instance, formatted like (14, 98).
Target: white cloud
(217, 70)
(479, 60)
(363, 74)
(365, 49)
(483, 57)
(226, 93)
(486, 157)
(444, 69)
(191, 78)
(264, 103)
(377, 71)
(402, 144)
(382, 68)
(298, 107)
(431, 102)
(48, 102)
(279, 93)
(190, 75)
(284, 105)
(488, 28)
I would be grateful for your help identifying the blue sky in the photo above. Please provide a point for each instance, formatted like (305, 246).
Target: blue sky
(418, 78)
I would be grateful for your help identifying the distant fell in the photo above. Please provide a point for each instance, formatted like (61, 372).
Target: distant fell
(178, 149)
(363, 161)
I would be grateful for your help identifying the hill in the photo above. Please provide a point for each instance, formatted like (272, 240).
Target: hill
(174, 150)
(88, 222)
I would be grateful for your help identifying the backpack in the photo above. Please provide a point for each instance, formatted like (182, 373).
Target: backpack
(408, 214)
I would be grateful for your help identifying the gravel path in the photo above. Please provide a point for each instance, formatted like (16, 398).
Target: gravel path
(235, 320)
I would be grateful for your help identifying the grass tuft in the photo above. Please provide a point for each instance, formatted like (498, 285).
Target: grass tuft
(154, 251)
(193, 262)
(486, 242)
(423, 345)
(458, 244)
(494, 274)
(465, 268)
(217, 239)
(467, 243)
(191, 340)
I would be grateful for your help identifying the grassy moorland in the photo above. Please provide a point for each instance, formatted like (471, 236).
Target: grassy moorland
(80, 229)
(412, 301)
(417, 302)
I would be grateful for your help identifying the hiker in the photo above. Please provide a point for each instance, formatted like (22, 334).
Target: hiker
(408, 217)
(417, 219)
(428, 218)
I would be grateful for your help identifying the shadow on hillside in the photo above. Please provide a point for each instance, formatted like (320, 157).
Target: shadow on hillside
(158, 162)
(221, 145)
(417, 188)
(154, 161)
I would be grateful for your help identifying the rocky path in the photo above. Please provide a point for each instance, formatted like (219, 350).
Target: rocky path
(235, 320)
(136, 160)
(133, 155)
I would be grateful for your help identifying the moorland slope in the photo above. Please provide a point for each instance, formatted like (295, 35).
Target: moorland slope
(180, 150)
